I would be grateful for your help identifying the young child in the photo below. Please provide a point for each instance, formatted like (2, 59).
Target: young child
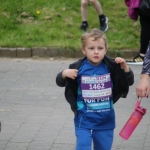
(102, 18)
(92, 85)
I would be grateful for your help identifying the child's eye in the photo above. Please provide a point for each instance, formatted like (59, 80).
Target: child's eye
(100, 48)
(91, 48)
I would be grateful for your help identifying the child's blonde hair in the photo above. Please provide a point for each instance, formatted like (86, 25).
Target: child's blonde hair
(96, 34)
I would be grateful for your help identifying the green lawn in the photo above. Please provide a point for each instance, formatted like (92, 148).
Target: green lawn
(59, 21)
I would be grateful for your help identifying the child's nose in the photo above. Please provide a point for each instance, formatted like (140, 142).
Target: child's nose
(96, 50)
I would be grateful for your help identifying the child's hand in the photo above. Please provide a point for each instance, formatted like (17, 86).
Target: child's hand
(70, 73)
(122, 63)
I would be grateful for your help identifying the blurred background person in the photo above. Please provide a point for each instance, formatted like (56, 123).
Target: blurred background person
(84, 11)
(143, 87)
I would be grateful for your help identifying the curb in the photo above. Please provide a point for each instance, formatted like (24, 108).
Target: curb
(56, 52)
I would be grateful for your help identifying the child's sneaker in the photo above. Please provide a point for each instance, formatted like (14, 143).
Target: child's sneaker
(104, 24)
(84, 26)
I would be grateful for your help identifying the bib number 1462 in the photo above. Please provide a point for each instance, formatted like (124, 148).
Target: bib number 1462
(96, 86)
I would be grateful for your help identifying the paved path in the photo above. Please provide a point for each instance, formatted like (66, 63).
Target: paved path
(36, 116)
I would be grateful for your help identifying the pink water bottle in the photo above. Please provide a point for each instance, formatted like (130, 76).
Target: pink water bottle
(133, 121)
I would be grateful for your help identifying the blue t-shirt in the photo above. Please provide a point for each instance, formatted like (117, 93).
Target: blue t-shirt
(94, 113)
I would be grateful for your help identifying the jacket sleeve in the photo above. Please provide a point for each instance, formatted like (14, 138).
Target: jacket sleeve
(71, 94)
(130, 77)
(60, 81)
(70, 90)
(146, 64)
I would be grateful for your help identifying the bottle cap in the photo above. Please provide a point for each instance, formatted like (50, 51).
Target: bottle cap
(141, 109)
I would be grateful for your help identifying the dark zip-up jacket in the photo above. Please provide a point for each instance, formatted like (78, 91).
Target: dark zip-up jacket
(121, 82)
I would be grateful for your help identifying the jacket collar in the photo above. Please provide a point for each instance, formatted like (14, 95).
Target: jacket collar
(107, 60)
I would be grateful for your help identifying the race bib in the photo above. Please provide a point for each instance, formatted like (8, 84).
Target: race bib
(96, 86)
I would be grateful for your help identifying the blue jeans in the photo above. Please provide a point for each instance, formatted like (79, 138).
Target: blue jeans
(102, 139)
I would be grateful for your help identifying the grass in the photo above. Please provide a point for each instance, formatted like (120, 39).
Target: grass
(59, 21)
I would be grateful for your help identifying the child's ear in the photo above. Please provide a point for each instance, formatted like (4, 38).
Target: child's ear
(83, 50)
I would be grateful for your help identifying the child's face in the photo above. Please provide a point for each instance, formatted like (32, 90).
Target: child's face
(94, 50)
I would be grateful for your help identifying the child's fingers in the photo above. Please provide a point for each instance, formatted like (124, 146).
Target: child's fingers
(74, 73)
(75, 70)
(119, 60)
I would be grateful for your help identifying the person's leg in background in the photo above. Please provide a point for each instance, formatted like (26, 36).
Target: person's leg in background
(144, 37)
(103, 139)
(145, 33)
(84, 12)
(97, 6)
(83, 139)
(102, 18)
